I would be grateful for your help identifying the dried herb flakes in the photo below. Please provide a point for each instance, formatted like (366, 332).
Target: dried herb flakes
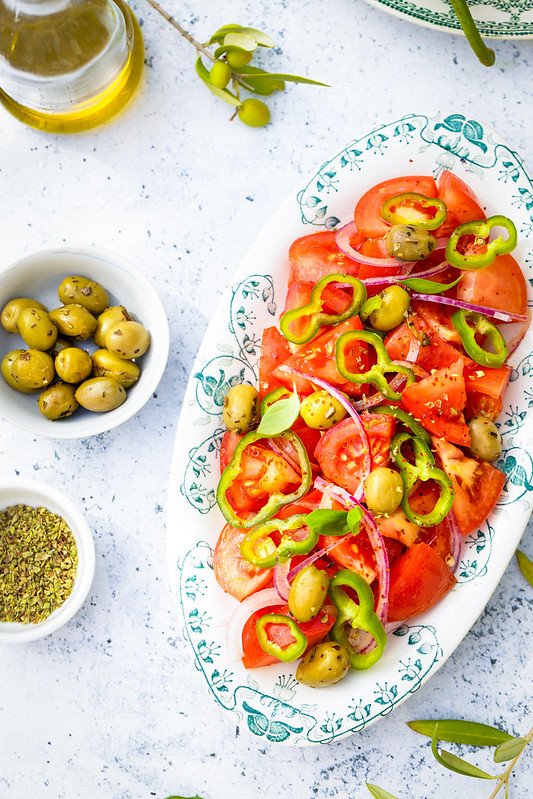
(38, 563)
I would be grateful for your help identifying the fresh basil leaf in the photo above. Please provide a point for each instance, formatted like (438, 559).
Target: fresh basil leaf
(224, 94)
(457, 764)
(509, 750)
(525, 565)
(379, 793)
(458, 731)
(280, 416)
(353, 518)
(370, 305)
(328, 522)
(424, 286)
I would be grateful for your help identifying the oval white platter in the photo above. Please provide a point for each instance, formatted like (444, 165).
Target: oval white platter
(497, 19)
(269, 701)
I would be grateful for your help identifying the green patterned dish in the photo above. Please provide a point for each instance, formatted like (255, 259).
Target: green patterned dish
(269, 701)
(499, 19)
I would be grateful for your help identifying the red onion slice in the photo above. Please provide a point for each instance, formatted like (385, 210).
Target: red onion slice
(342, 240)
(387, 279)
(281, 582)
(267, 597)
(456, 541)
(414, 367)
(502, 316)
(414, 348)
(315, 556)
(347, 405)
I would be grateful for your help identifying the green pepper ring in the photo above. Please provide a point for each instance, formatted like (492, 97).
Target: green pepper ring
(287, 548)
(480, 228)
(426, 202)
(290, 652)
(376, 374)
(361, 616)
(485, 327)
(275, 501)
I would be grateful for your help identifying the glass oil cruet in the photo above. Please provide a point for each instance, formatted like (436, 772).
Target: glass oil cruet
(68, 65)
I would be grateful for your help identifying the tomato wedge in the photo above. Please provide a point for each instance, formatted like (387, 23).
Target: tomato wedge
(418, 580)
(460, 200)
(437, 402)
(341, 452)
(234, 574)
(274, 351)
(315, 631)
(367, 211)
(501, 285)
(477, 485)
(314, 256)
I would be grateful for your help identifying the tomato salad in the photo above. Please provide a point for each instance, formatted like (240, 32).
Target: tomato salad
(350, 475)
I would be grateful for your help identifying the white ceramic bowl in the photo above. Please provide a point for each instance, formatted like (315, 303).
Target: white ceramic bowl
(38, 276)
(30, 492)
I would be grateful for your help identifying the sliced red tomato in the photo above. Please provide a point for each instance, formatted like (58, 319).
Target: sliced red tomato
(274, 351)
(317, 255)
(477, 485)
(315, 631)
(335, 300)
(397, 526)
(439, 538)
(234, 574)
(501, 285)
(437, 317)
(437, 402)
(478, 404)
(367, 211)
(484, 380)
(340, 452)
(318, 359)
(460, 200)
(354, 553)
(418, 580)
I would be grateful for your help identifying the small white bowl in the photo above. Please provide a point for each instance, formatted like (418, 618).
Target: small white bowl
(30, 492)
(38, 276)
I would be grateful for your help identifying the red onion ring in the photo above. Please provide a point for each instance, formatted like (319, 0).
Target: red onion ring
(349, 408)
(378, 398)
(414, 348)
(502, 316)
(428, 273)
(456, 540)
(267, 597)
(315, 556)
(281, 582)
(342, 240)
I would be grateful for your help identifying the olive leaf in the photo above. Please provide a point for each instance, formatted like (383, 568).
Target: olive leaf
(424, 286)
(262, 39)
(259, 81)
(379, 793)
(457, 764)
(458, 731)
(525, 565)
(224, 94)
(280, 416)
(508, 750)
(295, 79)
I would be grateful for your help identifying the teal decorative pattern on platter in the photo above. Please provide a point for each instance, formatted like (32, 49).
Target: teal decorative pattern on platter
(269, 701)
(498, 19)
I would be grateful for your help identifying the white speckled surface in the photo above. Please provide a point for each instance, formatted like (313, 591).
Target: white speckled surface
(111, 705)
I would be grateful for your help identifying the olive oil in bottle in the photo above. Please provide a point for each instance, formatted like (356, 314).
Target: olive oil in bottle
(68, 65)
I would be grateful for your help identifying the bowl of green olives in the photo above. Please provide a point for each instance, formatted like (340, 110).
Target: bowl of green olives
(84, 341)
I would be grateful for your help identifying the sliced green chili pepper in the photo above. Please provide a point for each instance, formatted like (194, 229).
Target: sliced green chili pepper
(372, 304)
(411, 199)
(286, 654)
(484, 327)
(359, 616)
(422, 469)
(376, 374)
(274, 396)
(406, 419)
(481, 229)
(287, 548)
(314, 309)
(276, 500)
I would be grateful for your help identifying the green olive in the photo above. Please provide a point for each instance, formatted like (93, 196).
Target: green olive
(7, 362)
(321, 411)
(73, 365)
(485, 438)
(107, 364)
(11, 312)
(241, 408)
(239, 58)
(410, 243)
(37, 329)
(220, 74)
(60, 344)
(100, 394)
(74, 321)
(383, 491)
(307, 593)
(58, 401)
(253, 113)
(127, 339)
(111, 316)
(394, 304)
(83, 291)
(325, 664)
(33, 369)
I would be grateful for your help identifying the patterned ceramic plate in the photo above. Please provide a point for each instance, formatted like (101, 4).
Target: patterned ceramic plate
(269, 701)
(499, 19)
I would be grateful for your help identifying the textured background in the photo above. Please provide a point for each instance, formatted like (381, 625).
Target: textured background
(111, 705)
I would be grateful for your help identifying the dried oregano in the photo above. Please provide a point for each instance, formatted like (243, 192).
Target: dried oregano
(38, 563)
